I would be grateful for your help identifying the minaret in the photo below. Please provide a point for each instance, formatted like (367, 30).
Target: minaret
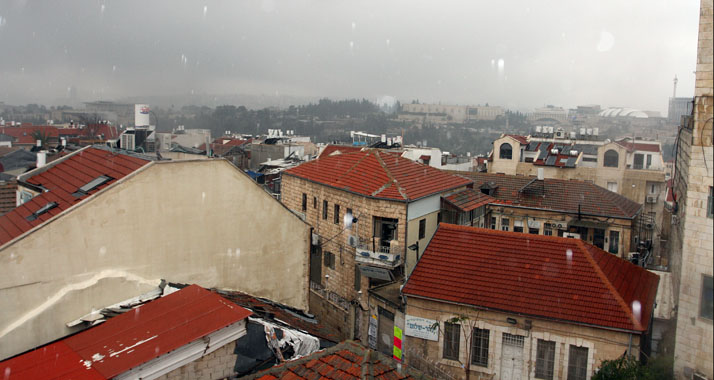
(674, 91)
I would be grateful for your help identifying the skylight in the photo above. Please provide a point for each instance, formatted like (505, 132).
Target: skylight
(49, 206)
(91, 185)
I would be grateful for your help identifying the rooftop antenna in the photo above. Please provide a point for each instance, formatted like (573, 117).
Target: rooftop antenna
(674, 91)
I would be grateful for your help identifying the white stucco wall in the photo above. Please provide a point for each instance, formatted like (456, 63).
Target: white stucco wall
(201, 222)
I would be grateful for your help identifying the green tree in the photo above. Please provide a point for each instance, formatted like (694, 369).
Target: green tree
(629, 368)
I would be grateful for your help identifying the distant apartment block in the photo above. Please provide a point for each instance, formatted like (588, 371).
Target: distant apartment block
(443, 113)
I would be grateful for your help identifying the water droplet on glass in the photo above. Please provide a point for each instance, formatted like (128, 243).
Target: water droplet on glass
(607, 41)
(205, 10)
(569, 256)
(637, 310)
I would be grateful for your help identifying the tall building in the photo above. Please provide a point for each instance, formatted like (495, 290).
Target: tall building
(678, 107)
(692, 221)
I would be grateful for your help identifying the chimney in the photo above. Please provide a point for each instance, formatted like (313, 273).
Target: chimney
(540, 174)
(41, 159)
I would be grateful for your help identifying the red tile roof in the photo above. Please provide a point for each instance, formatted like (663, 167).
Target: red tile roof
(331, 149)
(541, 276)
(556, 195)
(130, 339)
(378, 174)
(62, 180)
(345, 361)
(469, 199)
(23, 135)
(641, 146)
(521, 139)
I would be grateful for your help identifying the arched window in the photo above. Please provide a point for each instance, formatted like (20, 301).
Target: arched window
(506, 151)
(611, 159)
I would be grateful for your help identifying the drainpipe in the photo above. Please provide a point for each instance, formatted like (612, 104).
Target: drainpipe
(629, 346)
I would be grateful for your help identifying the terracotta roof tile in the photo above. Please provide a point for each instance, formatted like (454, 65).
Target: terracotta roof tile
(556, 195)
(469, 199)
(544, 276)
(343, 361)
(378, 174)
(62, 180)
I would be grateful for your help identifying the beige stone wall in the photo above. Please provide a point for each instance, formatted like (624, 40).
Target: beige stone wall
(692, 240)
(341, 280)
(201, 222)
(602, 344)
(217, 365)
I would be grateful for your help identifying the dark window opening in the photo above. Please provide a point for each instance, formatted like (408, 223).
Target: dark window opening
(479, 347)
(611, 159)
(304, 202)
(505, 151)
(706, 309)
(336, 216)
(422, 229)
(578, 363)
(329, 260)
(324, 209)
(545, 360)
(452, 342)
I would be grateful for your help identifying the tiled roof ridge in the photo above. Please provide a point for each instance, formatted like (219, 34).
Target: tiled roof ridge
(618, 297)
(392, 180)
(605, 192)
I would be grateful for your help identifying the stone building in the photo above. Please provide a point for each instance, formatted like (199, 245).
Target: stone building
(513, 306)
(692, 243)
(555, 207)
(108, 224)
(444, 113)
(372, 213)
(633, 169)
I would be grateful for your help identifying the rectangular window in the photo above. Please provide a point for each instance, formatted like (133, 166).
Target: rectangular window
(578, 363)
(505, 223)
(493, 222)
(479, 347)
(706, 308)
(517, 226)
(649, 161)
(452, 336)
(547, 232)
(612, 186)
(314, 202)
(336, 216)
(545, 360)
(533, 231)
(304, 202)
(422, 229)
(324, 209)
(330, 260)
(710, 203)
(614, 246)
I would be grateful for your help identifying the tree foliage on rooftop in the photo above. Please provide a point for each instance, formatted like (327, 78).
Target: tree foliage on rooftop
(629, 368)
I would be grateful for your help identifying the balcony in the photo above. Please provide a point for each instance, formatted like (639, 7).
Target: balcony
(381, 255)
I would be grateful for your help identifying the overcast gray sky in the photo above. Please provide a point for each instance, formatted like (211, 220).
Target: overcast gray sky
(519, 53)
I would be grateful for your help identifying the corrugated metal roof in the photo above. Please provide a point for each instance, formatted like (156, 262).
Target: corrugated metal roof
(546, 276)
(62, 180)
(130, 339)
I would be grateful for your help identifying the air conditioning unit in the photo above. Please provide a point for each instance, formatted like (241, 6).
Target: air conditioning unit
(127, 141)
(352, 241)
(651, 199)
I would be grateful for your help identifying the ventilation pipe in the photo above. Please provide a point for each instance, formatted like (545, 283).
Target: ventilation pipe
(41, 159)
(541, 176)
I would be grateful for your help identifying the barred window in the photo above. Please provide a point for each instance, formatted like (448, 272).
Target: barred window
(545, 360)
(578, 363)
(479, 347)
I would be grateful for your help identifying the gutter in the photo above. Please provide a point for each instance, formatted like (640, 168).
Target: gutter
(568, 212)
(528, 315)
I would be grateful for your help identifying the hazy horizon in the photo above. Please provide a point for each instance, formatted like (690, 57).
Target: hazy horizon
(517, 55)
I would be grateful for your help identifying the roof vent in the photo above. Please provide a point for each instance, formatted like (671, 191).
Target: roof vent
(41, 211)
(91, 185)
